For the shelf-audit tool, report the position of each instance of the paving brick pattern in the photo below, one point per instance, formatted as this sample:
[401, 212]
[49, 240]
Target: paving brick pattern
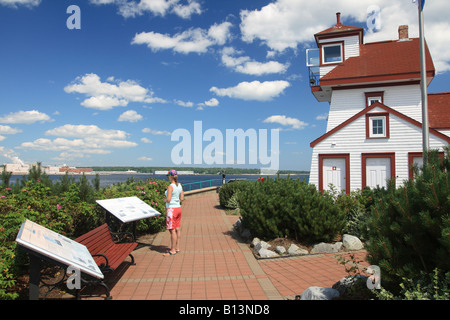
[214, 265]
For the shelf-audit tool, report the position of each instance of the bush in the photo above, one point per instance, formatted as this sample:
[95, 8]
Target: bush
[227, 191]
[431, 286]
[67, 207]
[290, 208]
[409, 227]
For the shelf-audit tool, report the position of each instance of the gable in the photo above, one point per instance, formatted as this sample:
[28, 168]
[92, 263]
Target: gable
[386, 109]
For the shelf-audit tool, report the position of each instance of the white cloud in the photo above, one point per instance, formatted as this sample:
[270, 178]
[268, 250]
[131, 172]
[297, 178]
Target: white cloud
[84, 131]
[25, 117]
[146, 140]
[16, 3]
[187, 104]
[193, 40]
[286, 121]
[145, 159]
[183, 9]
[247, 66]
[8, 130]
[210, 103]
[323, 116]
[293, 23]
[130, 116]
[107, 95]
[87, 140]
[156, 132]
[261, 91]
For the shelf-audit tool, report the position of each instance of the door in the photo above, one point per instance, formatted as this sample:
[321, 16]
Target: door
[378, 171]
[334, 173]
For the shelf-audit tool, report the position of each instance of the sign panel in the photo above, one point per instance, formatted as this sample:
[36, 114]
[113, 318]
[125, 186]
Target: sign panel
[57, 247]
[128, 209]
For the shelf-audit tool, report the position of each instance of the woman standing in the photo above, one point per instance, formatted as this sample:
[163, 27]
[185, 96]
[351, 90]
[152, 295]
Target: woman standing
[174, 196]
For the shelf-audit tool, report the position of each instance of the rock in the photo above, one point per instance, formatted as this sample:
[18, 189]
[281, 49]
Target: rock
[326, 247]
[262, 245]
[255, 241]
[295, 250]
[346, 282]
[280, 250]
[319, 293]
[265, 253]
[351, 242]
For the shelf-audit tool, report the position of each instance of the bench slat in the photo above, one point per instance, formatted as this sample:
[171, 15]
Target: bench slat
[100, 241]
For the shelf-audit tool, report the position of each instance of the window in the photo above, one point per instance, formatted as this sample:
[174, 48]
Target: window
[372, 97]
[372, 100]
[377, 125]
[332, 53]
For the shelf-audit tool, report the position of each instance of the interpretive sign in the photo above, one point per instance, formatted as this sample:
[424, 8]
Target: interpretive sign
[57, 247]
[128, 209]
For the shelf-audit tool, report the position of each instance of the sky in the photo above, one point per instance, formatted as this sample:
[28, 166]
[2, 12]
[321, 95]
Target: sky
[106, 84]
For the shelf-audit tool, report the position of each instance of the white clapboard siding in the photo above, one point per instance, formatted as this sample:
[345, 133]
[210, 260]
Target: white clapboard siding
[346, 103]
[404, 138]
[351, 49]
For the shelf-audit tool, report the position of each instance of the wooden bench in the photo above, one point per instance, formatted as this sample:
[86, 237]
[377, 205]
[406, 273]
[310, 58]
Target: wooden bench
[106, 252]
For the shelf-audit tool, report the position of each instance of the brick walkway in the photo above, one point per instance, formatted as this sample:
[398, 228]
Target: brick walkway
[213, 265]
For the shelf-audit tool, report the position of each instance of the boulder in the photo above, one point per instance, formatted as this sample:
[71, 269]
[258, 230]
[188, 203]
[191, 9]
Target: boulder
[319, 293]
[280, 250]
[346, 282]
[351, 242]
[295, 250]
[255, 241]
[266, 253]
[262, 245]
[326, 247]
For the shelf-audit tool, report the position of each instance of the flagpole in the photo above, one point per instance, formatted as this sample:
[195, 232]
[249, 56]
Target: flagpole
[423, 72]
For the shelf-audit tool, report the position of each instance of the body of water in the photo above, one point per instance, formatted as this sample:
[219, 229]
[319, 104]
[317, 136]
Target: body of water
[190, 182]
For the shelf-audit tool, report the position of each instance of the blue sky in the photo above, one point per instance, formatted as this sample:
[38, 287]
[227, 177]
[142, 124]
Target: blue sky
[112, 92]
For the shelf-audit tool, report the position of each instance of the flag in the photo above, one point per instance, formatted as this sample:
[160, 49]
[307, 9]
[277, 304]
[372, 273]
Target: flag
[416, 2]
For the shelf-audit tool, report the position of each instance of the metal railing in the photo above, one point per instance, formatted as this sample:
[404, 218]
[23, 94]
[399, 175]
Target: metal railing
[203, 184]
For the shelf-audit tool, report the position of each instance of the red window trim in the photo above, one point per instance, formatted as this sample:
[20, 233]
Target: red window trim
[364, 157]
[374, 94]
[345, 156]
[411, 156]
[321, 53]
[377, 114]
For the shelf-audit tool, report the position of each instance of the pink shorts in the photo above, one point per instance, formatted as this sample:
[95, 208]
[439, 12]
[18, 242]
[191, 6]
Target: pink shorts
[173, 220]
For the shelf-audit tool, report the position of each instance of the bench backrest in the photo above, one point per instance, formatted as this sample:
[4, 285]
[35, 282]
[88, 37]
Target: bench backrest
[98, 240]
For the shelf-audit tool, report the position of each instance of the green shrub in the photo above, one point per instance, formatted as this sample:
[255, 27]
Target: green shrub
[227, 191]
[409, 227]
[426, 286]
[67, 207]
[290, 208]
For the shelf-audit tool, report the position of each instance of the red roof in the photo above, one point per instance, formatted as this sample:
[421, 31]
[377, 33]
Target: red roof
[381, 61]
[439, 110]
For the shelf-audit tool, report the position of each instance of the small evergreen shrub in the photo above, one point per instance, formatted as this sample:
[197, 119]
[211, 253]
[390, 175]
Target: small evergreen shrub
[290, 208]
[227, 191]
[409, 227]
